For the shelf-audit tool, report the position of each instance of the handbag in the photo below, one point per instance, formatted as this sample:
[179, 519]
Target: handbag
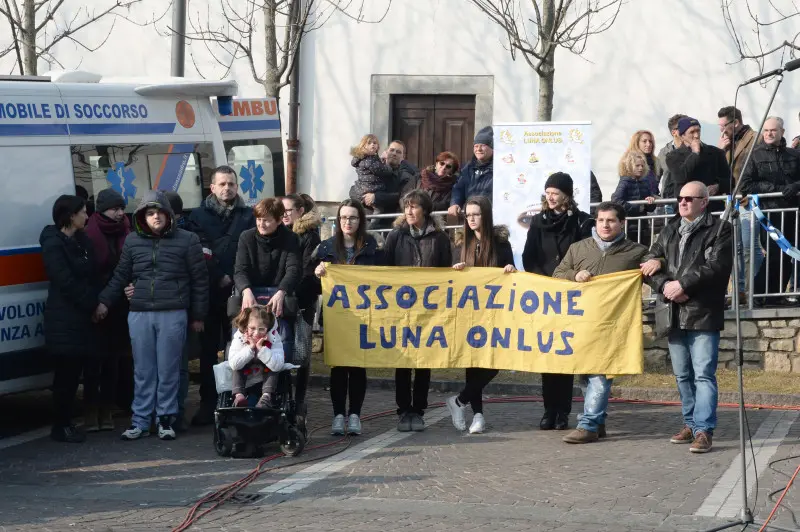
[663, 318]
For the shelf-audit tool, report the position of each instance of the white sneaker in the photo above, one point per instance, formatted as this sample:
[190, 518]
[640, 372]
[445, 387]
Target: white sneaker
[337, 428]
[478, 424]
[165, 430]
[354, 425]
[457, 413]
[134, 433]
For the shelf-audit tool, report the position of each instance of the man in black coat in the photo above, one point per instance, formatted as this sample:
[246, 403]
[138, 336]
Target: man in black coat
[696, 161]
[774, 168]
[219, 222]
[689, 266]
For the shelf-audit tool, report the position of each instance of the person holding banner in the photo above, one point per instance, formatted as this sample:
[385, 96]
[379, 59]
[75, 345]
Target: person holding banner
[551, 233]
[690, 265]
[486, 246]
[416, 240]
[350, 245]
[606, 251]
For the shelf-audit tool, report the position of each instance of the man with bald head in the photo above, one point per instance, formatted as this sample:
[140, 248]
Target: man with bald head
[689, 266]
[773, 167]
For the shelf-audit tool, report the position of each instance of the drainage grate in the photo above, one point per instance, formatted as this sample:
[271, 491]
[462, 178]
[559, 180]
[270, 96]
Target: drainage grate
[245, 498]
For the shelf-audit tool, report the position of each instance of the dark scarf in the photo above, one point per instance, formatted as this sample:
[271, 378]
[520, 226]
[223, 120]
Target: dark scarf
[431, 182]
[224, 211]
[107, 237]
[555, 222]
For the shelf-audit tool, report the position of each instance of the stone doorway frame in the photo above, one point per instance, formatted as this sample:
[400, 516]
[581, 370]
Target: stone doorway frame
[384, 86]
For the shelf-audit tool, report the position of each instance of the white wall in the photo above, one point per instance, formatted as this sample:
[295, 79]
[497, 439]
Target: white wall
[661, 57]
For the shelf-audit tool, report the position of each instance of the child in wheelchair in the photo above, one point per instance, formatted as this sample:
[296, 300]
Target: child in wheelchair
[256, 349]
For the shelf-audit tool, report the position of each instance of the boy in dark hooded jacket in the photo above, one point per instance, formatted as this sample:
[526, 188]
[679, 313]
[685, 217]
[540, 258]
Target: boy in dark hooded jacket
[167, 268]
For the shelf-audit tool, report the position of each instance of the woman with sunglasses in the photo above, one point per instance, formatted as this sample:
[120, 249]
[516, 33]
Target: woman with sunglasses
[484, 245]
[439, 178]
[350, 245]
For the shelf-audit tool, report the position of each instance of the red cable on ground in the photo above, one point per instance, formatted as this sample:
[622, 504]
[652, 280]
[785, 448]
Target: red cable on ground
[777, 504]
[220, 496]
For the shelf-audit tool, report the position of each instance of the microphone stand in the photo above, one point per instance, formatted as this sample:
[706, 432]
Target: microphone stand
[732, 215]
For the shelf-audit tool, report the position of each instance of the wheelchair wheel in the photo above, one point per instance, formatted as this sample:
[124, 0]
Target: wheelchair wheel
[222, 444]
[295, 442]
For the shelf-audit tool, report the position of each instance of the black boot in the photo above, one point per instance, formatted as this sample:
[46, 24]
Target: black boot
[548, 421]
[68, 434]
[203, 416]
[562, 421]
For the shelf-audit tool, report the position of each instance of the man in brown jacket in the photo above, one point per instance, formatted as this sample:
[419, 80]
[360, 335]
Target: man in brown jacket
[606, 251]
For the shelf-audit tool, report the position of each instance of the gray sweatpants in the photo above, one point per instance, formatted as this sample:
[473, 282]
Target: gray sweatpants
[157, 339]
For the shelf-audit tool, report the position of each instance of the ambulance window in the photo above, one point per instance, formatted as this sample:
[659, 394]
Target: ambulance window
[259, 165]
[132, 169]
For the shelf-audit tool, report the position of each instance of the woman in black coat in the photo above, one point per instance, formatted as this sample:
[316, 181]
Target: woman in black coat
[268, 256]
[350, 245]
[416, 240]
[71, 303]
[552, 232]
[302, 217]
[485, 246]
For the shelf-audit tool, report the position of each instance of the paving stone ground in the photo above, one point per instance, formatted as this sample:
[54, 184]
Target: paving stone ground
[514, 477]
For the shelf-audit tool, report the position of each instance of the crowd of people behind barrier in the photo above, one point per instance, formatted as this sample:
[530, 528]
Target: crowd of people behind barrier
[147, 283]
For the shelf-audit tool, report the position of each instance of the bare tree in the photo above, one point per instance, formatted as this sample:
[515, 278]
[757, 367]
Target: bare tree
[35, 29]
[536, 28]
[235, 34]
[748, 32]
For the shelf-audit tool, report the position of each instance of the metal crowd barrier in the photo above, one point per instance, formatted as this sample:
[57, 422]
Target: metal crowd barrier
[645, 229]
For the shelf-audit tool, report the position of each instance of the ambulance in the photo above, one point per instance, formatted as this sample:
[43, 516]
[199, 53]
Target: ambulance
[75, 131]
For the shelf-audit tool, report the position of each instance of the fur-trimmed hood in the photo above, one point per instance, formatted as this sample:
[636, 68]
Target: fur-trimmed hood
[310, 221]
[501, 233]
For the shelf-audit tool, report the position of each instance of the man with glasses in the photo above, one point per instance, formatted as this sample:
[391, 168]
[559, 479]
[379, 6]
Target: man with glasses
[774, 168]
[689, 266]
[696, 161]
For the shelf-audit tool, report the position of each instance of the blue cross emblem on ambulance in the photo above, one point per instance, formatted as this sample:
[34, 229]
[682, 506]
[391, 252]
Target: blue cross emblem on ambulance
[251, 174]
[121, 179]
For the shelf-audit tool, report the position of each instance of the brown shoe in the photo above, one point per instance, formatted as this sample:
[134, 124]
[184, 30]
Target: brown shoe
[684, 436]
[601, 431]
[580, 436]
[702, 443]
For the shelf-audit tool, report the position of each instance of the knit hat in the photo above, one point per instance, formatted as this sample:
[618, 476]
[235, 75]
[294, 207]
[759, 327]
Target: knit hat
[109, 198]
[560, 180]
[175, 202]
[685, 123]
[485, 136]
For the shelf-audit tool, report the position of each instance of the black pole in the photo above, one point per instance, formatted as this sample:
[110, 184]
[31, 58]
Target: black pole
[178, 37]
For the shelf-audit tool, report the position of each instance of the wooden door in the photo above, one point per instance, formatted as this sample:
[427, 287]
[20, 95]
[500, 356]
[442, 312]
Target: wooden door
[432, 124]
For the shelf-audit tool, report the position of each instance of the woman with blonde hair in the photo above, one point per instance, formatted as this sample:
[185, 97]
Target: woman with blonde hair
[643, 142]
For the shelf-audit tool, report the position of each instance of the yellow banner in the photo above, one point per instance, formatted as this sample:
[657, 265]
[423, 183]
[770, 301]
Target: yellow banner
[390, 317]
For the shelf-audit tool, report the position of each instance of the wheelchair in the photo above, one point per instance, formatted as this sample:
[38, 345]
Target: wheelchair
[245, 432]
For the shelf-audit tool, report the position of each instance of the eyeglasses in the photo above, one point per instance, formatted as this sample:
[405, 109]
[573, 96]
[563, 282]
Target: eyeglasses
[689, 199]
[472, 216]
[447, 166]
[726, 125]
[259, 330]
[348, 219]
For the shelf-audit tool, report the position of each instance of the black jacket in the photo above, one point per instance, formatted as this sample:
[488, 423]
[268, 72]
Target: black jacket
[168, 271]
[220, 235]
[367, 255]
[268, 261]
[405, 178]
[771, 169]
[632, 189]
[549, 239]
[432, 249]
[307, 231]
[72, 294]
[709, 167]
[703, 272]
[503, 254]
[476, 179]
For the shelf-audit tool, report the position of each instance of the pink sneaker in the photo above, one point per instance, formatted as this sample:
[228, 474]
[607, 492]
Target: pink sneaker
[240, 400]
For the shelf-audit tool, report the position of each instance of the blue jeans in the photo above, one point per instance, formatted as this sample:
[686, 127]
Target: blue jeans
[595, 402]
[157, 339]
[746, 277]
[694, 363]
